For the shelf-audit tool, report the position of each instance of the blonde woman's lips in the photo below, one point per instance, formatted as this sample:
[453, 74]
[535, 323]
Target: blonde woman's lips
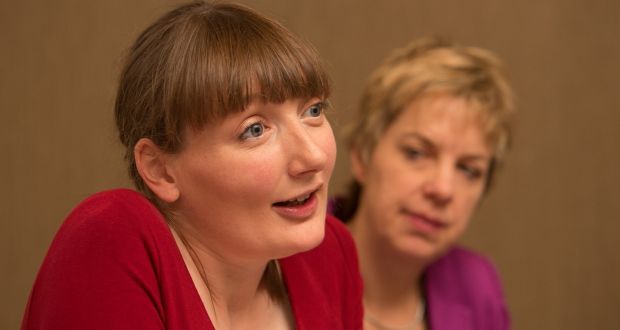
[424, 224]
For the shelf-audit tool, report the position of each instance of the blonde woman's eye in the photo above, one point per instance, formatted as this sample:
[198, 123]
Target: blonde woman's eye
[315, 110]
[253, 131]
[471, 173]
[412, 153]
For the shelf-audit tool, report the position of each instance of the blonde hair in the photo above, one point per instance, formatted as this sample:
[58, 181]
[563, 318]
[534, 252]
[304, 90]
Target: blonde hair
[432, 65]
[202, 61]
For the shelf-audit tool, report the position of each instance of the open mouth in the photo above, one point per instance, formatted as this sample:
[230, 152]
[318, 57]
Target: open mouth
[294, 202]
[302, 207]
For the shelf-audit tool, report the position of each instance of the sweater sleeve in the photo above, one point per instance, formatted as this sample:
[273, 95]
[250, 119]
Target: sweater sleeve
[100, 271]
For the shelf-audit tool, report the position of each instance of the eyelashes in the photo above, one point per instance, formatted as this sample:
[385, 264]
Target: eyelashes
[257, 128]
[471, 172]
[412, 153]
[417, 155]
[315, 110]
[253, 130]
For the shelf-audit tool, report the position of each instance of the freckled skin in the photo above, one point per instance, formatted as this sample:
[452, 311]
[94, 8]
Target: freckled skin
[229, 179]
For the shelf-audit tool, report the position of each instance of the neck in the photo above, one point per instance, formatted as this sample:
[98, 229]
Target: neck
[392, 279]
[388, 274]
[230, 291]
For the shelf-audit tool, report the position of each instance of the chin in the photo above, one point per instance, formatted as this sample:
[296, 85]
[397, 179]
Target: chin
[305, 237]
[422, 250]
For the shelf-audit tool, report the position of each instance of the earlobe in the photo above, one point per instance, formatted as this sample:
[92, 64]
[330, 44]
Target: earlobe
[152, 166]
[358, 166]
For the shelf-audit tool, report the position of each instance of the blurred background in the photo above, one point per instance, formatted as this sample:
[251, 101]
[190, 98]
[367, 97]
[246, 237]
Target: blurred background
[551, 224]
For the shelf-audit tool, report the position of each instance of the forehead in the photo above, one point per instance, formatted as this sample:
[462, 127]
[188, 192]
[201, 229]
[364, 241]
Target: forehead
[443, 120]
[443, 109]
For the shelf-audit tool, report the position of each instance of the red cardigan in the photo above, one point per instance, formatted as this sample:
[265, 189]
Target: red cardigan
[114, 264]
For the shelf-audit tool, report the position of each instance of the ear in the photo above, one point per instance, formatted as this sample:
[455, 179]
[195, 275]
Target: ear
[358, 166]
[152, 164]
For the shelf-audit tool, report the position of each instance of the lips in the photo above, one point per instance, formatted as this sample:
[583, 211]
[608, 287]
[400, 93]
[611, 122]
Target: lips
[425, 224]
[301, 207]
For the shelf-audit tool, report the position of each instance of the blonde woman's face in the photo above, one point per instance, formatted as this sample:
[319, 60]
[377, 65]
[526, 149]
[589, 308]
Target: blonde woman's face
[425, 177]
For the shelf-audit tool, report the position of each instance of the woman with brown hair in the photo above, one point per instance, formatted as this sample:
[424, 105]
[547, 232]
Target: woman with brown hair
[221, 112]
[433, 125]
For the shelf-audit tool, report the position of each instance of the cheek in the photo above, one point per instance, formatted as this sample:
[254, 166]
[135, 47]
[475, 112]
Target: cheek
[233, 176]
[389, 175]
[383, 193]
[330, 149]
[256, 176]
[468, 206]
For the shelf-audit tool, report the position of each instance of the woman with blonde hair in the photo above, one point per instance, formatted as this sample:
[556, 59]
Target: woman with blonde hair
[221, 112]
[432, 127]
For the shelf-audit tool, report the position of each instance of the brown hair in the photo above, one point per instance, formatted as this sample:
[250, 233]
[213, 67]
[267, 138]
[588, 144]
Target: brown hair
[431, 65]
[202, 61]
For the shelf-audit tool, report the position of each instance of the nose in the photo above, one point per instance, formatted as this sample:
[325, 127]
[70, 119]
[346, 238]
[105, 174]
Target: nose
[306, 152]
[439, 186]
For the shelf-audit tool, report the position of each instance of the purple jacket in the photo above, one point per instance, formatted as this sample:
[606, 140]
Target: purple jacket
[463, 292]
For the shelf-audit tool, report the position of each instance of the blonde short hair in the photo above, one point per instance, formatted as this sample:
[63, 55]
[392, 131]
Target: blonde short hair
[432, 65]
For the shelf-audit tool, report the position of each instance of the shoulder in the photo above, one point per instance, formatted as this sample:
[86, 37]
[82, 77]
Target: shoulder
[110, 226]
[111, 247]
[112, 215]
[466, 270]
[114, 204]
[113, 225]
[466, 278]
[475, 264]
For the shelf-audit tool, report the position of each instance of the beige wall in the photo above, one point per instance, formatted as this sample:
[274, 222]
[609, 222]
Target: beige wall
[551, 225]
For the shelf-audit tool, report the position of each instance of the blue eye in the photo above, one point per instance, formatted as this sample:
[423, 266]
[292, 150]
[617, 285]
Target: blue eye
[253, 131]
[315, 110]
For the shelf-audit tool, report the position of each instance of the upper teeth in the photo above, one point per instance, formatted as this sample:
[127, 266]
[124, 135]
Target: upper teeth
[301, 199]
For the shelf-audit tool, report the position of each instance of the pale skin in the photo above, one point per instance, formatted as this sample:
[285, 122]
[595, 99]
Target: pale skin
[421, 184]
[229, 190]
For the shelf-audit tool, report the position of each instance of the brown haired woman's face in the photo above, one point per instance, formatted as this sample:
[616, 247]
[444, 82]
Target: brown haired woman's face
[254, 186]
[425, 176]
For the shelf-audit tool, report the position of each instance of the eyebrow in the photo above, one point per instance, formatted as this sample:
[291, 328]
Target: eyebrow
[420, 137]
